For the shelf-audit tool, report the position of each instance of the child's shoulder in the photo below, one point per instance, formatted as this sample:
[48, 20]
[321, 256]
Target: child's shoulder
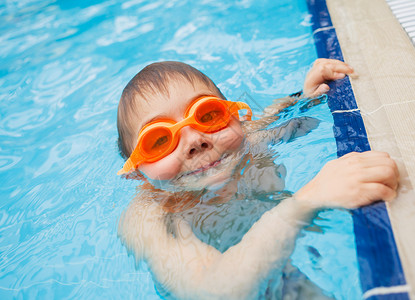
[137, 220]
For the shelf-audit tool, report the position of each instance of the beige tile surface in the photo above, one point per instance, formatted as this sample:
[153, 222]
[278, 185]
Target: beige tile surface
[375, 44]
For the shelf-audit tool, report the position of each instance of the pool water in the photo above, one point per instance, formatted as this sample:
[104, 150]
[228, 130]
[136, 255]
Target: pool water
[63, 65]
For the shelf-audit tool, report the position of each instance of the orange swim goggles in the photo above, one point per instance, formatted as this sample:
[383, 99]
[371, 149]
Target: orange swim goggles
[159, 138]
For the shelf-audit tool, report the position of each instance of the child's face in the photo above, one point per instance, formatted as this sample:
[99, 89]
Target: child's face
[198, 156]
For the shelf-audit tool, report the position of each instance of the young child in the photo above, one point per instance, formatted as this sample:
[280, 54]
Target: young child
[197, 156]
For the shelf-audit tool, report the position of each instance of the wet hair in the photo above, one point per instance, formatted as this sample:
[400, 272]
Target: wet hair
[154, 79]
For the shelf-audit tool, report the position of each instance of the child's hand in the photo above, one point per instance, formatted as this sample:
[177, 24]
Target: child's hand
[353, 180]
[324, 70]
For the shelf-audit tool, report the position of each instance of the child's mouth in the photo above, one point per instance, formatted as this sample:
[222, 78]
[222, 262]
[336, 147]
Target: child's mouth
[205, 167]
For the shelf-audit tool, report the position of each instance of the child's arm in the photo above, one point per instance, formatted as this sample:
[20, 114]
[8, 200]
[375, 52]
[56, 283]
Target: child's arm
[269, 115]
[191, 269]
[287, 131]
[315, 84]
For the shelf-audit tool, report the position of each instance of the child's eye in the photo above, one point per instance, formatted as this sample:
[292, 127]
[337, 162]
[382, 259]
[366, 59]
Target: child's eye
[212, 115]
[160, 141]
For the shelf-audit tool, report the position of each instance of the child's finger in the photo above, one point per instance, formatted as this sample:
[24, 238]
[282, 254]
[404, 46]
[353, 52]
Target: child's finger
[370, 157]
[323, 88]
[375, 153]
[374, 159]
[378, 191]
[337, 75]
[341, 67]
[388, 167]
[333, 72]
[367, 154]
[328, 73]
[338, 62]
[382, 174]
[333, 64]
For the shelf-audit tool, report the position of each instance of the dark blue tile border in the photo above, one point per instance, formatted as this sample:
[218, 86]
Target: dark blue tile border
[395, 296]
[378, 257]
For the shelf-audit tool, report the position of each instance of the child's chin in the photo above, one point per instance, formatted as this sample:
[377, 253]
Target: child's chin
[217, 181]
[206, 181]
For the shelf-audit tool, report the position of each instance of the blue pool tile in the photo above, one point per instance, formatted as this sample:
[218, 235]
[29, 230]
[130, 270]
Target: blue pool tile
[321, 16]
[349, 125]
[395, 296]
[378, 257]
[344, 147]
[327, 49]
[342, 97]
[379, 261]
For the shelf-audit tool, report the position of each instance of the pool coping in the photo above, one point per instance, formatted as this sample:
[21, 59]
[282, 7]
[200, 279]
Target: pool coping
[381, 271]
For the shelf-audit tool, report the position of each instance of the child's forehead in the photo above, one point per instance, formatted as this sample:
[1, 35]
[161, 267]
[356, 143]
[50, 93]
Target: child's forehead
[171, 105]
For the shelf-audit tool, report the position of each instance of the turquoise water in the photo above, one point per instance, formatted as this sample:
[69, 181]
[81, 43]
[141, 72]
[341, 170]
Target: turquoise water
[63, 65]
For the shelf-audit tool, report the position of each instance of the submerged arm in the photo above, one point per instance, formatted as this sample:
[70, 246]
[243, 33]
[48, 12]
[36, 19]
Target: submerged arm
[269, 115]
[280, 104]
[315, 84]
[286, 132]
[190, 268]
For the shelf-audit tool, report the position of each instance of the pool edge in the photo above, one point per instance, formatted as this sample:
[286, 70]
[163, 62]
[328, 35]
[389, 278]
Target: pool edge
[385, 93]
[379, 269]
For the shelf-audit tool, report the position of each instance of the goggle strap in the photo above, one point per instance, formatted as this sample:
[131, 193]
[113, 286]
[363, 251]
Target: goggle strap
[127, 167]
[242, 105]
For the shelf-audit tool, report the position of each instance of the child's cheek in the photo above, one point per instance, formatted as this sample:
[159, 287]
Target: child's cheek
[231, 138]
[164, 169]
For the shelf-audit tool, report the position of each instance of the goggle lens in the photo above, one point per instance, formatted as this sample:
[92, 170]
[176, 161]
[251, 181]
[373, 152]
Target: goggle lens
[156, 141]
[212, 116]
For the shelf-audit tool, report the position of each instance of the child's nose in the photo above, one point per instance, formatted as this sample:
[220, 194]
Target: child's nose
[196, 142]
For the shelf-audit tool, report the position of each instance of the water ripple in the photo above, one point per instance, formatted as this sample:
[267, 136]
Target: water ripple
[62, 68]
[124, 28]
[8, 162]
